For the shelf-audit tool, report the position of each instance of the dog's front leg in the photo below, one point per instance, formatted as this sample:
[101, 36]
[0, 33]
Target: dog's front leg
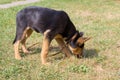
[45, 48]
[63, 47]
[44, 52]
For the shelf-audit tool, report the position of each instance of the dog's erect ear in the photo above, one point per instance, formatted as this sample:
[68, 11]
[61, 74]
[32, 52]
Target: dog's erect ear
[74, 36]
[81, 40]
[86, 38]
[81, 34]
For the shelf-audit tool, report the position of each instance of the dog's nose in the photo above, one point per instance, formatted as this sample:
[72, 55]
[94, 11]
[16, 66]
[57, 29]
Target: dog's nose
[79, 55]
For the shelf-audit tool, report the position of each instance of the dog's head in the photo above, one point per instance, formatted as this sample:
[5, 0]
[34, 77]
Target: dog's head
[77, 43]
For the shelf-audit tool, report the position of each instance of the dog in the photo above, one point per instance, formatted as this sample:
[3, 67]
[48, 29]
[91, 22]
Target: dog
[53, 24]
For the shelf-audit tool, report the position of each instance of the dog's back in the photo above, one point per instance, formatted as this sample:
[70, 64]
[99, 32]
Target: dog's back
[40, 19]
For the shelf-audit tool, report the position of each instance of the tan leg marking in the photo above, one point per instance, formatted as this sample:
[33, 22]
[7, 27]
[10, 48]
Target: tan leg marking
[26, 34]
[63, 47]
[45, 48]
[16, 49]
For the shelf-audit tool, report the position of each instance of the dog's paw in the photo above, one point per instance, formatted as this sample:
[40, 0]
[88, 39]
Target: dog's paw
[18, 57]
[47, 64]
[27, 52]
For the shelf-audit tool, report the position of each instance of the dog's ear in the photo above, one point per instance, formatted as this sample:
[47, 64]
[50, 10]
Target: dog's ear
[86, 38]
[74, 36]
[82, 40]
[81, 34]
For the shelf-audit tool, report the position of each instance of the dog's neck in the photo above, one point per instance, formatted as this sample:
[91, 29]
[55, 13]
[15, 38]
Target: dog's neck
[69, 31]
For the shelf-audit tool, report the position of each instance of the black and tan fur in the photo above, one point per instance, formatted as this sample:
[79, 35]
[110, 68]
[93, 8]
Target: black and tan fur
[52, 24]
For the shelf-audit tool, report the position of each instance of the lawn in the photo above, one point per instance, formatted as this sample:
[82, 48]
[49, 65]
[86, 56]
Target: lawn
[99, 19]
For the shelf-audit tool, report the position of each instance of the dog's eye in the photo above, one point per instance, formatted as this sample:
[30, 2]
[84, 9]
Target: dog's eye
[73, 45]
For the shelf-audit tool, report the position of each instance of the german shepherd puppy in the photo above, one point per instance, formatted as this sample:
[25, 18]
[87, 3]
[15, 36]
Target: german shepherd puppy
[52, 24]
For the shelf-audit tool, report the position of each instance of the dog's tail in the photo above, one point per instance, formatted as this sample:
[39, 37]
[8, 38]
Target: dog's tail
[14, 40]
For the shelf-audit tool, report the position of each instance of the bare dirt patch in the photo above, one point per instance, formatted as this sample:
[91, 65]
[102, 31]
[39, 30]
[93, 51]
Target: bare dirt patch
[17, 3]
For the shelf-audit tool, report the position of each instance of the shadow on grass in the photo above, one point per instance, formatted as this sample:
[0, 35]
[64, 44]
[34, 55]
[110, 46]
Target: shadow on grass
[57, 53]
[33, 51]
[37, 50]
[90, 53]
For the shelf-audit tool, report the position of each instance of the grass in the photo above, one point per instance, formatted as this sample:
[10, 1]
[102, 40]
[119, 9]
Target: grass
[8, 1]
[99, 19]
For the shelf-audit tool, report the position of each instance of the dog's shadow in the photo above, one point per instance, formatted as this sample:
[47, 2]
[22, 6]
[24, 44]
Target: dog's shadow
[90, 53]
[35, 50]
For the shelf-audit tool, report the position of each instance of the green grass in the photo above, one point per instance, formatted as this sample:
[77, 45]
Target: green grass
[99, 19]
[8, 1]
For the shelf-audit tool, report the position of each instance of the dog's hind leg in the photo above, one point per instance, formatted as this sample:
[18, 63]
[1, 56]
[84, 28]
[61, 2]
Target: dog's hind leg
[28, 31]
[21, 24]
[16, 49]
[21, 36]
[17, 41]
[63, 46]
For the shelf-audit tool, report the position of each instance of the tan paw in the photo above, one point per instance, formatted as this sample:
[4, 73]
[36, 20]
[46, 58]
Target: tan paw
[46, 63]
[18, 57]
[27, 52]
